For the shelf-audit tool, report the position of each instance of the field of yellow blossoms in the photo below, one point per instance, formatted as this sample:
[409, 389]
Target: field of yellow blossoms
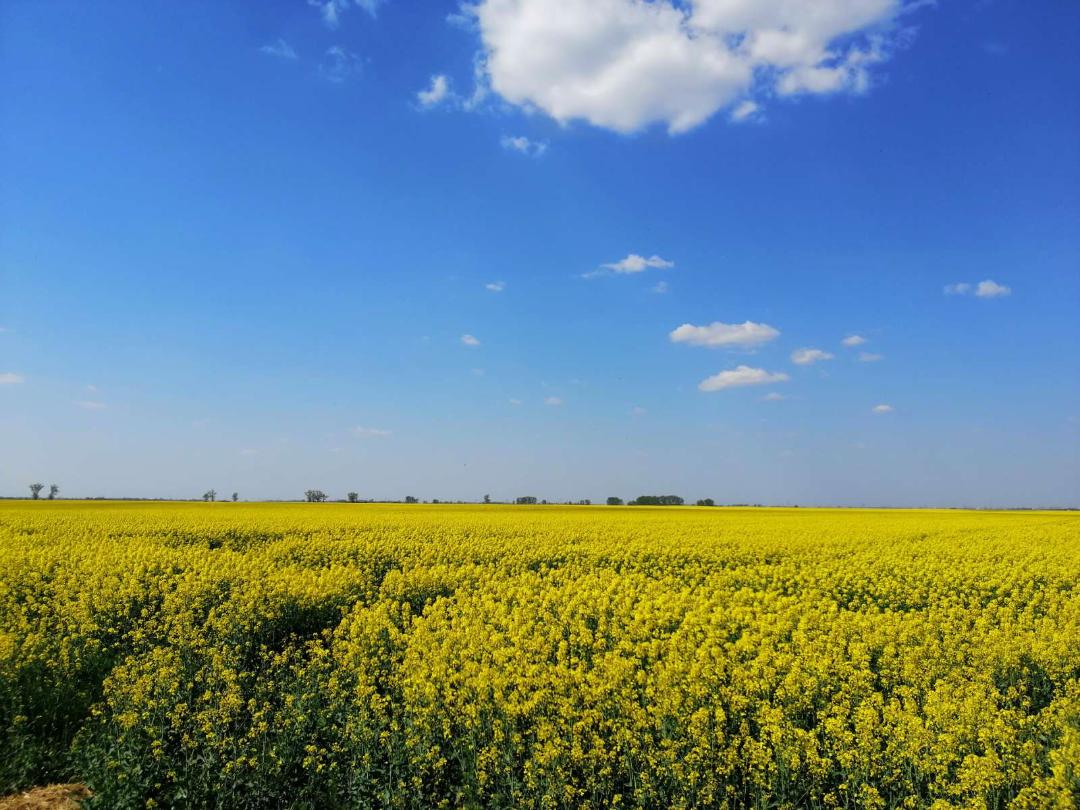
[323, 656]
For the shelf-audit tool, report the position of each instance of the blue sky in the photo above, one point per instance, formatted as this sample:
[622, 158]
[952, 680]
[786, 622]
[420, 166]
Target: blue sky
[241, 246]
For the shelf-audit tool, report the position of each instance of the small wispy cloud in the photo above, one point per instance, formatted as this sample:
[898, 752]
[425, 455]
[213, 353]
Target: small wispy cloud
[745, 111]
[11, 378]
[853, 340]
[637, 410]
[495, 286]
[523, 145]
[984, 289]
[882, 408]
[331, 10]
[633, 263]
[90, 405]
[280, 49]
[991, 289]
[553, 401]
[469, 340]
[660, 287]
[339, 64]
[724, 335]
[370, 433]
[806, 357]
[870, 357]
[740, 377]
[437, 91]
[514, 401]
[773, 396]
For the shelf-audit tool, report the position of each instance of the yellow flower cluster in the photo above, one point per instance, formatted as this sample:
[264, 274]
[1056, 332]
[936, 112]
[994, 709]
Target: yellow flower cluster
[196, 655]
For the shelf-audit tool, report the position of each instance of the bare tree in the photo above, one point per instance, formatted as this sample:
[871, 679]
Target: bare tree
[35, 490]
[210, 495]
[54, 490]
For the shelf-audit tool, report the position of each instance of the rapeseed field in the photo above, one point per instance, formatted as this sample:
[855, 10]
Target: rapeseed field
[385, 656]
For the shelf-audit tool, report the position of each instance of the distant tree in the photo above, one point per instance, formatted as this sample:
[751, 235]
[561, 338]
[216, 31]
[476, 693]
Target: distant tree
[544, 502]
[353, 497]
[434, 500]
[657, 500]
[314, 495]
[35, 490]
[706, 502]
[54, 490]
[487, 499]
[528, 499]
[210, 495]
[613, 501]
[411, 499]
[235, 497]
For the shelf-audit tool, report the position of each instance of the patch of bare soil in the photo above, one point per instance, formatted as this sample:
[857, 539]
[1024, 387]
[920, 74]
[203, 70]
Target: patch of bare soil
[52, 797]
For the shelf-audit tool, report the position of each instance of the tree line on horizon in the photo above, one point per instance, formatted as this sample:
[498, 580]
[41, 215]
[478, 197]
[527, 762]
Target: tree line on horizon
[318, 496]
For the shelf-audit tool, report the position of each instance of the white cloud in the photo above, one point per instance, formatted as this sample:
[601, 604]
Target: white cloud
[514, 401]
[553, 401]
[984, 289]
[90, 405]
[331, 10]
[637, 410]
[660, 287]
[882, 409]
[339, 64]
[806, 357]
[469, 340]
[745, 111]
[991, 289]
[626, 64]
[773, 396]
[870, 357]
[370, 433]
[281, 49]
[853, 340]
[739, 377]
[521, 144]
[495, 286]
[637, 264]
[437, 92]
[11, 378]
[724, 334]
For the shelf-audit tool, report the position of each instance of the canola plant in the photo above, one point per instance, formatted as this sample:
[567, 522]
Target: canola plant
[386, 656]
